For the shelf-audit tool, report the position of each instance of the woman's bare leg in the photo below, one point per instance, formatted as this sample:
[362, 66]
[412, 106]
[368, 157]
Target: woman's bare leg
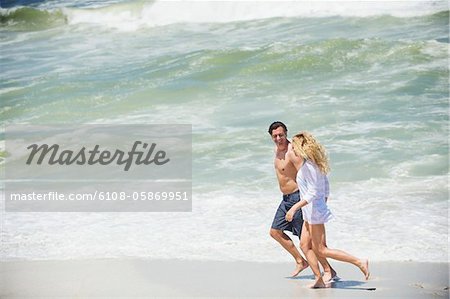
[306, 246]
[317, 232]
[328, 272]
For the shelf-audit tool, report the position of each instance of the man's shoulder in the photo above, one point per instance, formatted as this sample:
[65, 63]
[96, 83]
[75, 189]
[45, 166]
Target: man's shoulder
[290, 151]
[293, 158]
[290, 148]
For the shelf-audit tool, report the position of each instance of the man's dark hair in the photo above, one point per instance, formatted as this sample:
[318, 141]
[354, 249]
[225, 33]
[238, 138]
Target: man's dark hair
[276, 125]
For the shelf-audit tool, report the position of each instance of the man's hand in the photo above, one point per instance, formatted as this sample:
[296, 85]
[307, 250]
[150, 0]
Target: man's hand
[290, 215]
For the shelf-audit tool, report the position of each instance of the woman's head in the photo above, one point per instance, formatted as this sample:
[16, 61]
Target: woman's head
[306, 146]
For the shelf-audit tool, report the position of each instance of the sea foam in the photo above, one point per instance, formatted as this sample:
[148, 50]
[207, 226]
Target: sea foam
[140, 14]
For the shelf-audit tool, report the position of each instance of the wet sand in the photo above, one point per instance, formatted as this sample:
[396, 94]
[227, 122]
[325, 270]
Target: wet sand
[127, 278]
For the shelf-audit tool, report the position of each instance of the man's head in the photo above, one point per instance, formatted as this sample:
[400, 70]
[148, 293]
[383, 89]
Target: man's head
[278, 132]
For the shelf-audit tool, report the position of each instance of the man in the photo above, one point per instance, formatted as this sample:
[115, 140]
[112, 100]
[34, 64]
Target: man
[286, 175]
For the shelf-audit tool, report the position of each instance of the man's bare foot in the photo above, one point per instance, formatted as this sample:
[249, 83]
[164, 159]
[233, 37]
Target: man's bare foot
[299, 268]
[329, 276]
[365, 268]
[318, 284]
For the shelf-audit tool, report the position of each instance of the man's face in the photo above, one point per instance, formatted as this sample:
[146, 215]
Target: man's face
[279, 137]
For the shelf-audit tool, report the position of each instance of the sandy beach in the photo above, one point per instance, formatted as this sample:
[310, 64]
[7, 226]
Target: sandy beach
[132, 278]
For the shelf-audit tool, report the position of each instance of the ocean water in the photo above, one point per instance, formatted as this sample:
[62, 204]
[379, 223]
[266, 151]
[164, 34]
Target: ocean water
[370, 79]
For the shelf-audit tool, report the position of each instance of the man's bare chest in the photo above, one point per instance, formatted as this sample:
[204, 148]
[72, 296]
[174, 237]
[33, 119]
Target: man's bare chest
[283, 165]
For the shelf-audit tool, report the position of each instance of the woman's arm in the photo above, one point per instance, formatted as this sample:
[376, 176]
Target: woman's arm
[314, 182]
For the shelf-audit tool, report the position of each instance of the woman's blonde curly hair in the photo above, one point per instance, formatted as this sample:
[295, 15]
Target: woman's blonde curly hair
[306, 146]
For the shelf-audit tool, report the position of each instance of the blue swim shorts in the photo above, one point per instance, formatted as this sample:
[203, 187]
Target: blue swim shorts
[280, 222]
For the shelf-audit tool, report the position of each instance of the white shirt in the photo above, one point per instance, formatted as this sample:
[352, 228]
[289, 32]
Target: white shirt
[314, 187]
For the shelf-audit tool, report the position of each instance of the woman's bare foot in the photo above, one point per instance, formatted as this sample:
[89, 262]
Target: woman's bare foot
[300, 267]
[364, 266]
[329, 276]
[318, 284]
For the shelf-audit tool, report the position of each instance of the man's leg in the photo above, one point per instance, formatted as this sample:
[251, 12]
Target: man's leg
[289, 245]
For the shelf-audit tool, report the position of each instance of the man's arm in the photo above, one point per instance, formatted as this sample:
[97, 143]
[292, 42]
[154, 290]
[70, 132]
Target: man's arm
[293, 158]
[294, 208]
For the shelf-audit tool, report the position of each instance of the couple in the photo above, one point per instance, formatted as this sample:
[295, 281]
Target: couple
[301, 168]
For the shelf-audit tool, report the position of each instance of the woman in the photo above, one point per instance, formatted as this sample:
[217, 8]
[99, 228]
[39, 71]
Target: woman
[310, 159]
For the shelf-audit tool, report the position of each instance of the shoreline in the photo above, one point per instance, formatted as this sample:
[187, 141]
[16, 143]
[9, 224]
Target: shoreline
[133, 277]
